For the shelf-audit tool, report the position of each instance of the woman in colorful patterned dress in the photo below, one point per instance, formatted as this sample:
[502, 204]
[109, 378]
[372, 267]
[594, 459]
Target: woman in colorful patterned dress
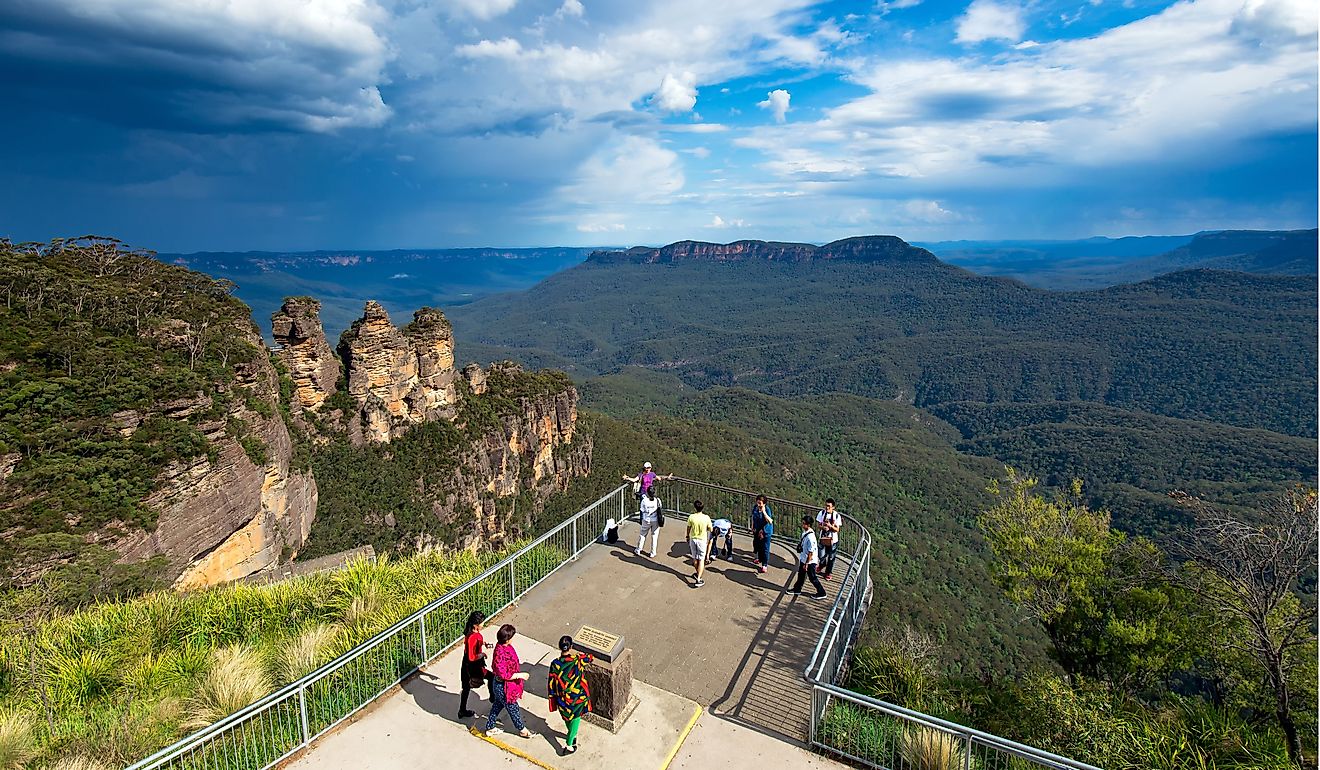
[567, 689]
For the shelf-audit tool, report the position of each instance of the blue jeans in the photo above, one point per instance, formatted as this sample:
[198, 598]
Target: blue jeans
[827, 554]
[762, 545]
[497, 702]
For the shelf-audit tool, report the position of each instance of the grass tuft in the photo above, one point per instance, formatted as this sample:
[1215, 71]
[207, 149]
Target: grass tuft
[18, 746]
[236, 679]
[925, 748]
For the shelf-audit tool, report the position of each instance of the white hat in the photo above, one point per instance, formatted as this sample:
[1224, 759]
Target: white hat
[646, 465]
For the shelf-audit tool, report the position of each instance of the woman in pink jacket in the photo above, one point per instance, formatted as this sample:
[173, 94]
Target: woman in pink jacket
[506, 683]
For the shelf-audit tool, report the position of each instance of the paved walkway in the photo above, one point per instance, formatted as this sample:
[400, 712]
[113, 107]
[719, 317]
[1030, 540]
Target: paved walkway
[736, 645]
[730, 653]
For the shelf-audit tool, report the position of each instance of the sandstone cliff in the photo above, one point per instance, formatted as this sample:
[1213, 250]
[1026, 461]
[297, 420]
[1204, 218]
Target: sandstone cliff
[312, 363]
[869, 248]
[225, 516]
[398, 378]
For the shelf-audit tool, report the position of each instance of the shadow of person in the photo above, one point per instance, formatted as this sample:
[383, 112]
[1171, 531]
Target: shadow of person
[647, 562]
[433, 694]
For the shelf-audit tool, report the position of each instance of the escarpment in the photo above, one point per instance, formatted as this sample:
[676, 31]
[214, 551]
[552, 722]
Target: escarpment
[241, 508]
[467, 457]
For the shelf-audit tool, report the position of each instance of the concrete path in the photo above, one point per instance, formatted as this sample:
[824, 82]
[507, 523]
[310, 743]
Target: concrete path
[717, 671]
[737, 645]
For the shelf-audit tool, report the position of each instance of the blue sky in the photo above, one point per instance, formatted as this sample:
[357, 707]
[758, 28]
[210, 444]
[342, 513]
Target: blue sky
[302, 124]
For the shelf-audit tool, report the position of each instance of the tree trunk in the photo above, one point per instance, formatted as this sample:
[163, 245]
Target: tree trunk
[1283, 709]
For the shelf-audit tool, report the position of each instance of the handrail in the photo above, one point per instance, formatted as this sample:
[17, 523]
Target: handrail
[835, 638]
[853, 581]
[300, 684]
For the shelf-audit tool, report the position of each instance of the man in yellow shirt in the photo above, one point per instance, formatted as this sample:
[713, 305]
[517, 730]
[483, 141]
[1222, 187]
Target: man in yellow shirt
[698, 532]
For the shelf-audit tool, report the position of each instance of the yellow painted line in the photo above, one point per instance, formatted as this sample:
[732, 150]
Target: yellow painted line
[511, 750]
[681, 738]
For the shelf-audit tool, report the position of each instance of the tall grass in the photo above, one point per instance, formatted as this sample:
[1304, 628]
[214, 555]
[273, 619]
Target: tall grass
[117, 681]
[924, 748]
[17, 744]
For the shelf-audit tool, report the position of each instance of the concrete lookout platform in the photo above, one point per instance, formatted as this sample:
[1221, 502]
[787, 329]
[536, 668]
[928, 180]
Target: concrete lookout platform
[717, 672]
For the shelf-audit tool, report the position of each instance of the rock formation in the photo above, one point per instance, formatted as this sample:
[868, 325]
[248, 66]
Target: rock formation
[228, 518]
[868, 248]
[312, 363]
[399, 378]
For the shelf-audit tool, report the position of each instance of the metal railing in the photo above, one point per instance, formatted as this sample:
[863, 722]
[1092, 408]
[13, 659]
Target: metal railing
[286, 721]
[845, 723]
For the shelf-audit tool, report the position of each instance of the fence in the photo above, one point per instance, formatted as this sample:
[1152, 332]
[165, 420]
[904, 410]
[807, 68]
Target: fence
[848, 724]
[275, 727]
[844, 723]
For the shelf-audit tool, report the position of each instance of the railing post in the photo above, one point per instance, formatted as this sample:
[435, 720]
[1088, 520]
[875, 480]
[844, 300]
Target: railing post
[421, 624]
[575, 540]
[513, 583]
[302, 715]
[967, 753]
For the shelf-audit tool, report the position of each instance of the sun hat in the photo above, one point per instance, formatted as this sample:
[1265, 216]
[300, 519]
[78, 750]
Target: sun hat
[646, 465]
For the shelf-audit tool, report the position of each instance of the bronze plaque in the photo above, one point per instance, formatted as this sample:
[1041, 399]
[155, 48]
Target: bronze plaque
[601, 644]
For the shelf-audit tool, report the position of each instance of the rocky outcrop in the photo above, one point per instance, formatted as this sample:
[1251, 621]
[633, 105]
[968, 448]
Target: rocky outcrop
[312, 363]
[869, 248]
[225, 517]
[533, 453]
[399, 378]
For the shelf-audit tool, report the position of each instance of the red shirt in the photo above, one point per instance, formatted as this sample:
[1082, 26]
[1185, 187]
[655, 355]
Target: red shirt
[474, 644]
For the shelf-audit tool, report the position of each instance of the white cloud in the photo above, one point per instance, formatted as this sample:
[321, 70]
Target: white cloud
[677, 94]
[989, 20]
[483, 9]
[572, 8]
[777, 102]
[698, 152]
[601, 227]
[720, 223]
[504, 48]
[634, 169]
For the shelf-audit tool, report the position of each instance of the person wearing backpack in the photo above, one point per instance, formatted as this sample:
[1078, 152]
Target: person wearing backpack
[651, 516]
[808, 559]
[830, 521]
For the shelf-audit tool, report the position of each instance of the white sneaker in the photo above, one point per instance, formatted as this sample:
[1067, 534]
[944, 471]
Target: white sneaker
[652, 555]
[637, 552]
[496, 730]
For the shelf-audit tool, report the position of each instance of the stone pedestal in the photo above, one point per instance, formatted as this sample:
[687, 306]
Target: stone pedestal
[612, 701]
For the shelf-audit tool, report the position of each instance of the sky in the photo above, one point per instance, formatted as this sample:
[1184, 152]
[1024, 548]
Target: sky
[184, 125]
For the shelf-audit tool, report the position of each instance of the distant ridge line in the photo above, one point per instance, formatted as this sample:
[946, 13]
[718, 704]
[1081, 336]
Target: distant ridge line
[864, 248]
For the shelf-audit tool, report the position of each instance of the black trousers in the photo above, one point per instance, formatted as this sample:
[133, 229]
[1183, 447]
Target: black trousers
[469, 671]
[808, 571]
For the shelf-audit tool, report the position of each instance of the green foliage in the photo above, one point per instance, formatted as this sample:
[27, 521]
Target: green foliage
[121, 680]
[94, 341]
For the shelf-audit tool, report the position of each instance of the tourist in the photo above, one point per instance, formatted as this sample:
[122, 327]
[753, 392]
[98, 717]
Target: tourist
[506, 683]
[567, 689]
[473, 669]
[645, 480]
[651, 516]
[763, 526]
[698, 533]
[830, 522]
[808, 558]
[720, 528]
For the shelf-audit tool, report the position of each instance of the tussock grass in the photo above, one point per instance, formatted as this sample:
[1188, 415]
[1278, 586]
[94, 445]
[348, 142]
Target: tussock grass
[118, 681]
[925, 748]
[237, 677]
[18, 745]
[78, 762]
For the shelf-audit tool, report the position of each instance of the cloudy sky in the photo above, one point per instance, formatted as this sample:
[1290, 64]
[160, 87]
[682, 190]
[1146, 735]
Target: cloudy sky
[187, 125]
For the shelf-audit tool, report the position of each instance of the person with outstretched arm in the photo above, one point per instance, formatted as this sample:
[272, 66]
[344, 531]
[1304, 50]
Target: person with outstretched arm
[808, 560]
[645, 480]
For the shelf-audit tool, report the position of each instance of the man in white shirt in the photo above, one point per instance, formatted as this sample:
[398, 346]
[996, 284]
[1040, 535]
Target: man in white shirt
[808, 559]
[650, 519]
[830, 521]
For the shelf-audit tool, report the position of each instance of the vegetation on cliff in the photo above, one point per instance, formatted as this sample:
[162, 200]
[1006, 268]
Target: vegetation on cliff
[109, 362]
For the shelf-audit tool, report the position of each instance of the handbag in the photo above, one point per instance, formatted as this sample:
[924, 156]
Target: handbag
[660, 517]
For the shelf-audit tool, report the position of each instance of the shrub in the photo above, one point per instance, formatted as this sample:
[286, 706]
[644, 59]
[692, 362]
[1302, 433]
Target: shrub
[925, 748]
[301, 655]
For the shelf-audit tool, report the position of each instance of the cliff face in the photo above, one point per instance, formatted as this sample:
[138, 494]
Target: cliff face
[399, 379]
[533, 453]
[223, 519]
[870, 248]
[312, 363]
